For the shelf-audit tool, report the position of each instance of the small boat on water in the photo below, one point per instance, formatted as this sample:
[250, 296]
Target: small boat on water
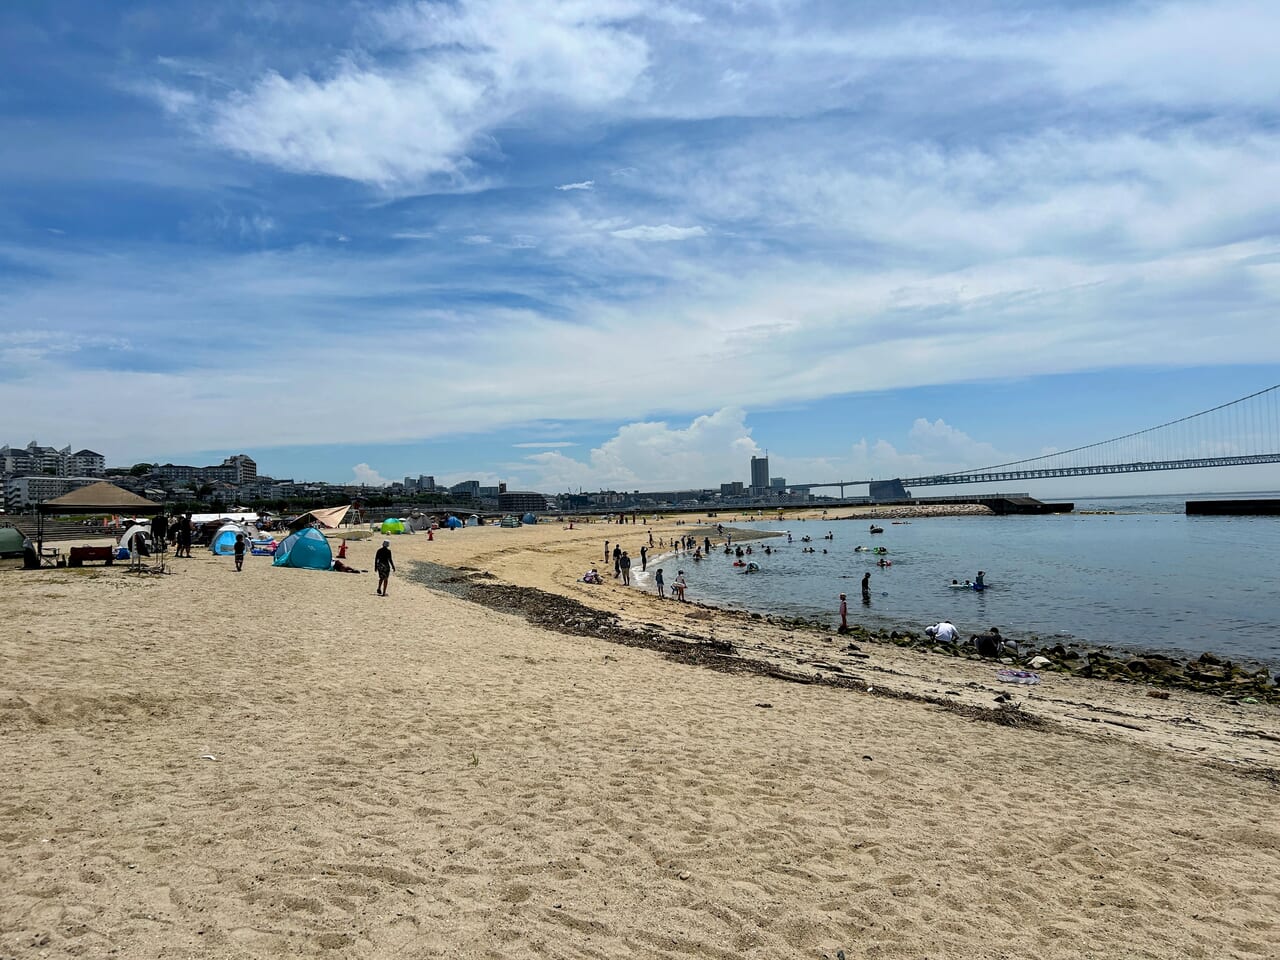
[875, 529]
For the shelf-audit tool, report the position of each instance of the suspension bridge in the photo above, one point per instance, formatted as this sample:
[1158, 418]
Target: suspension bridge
[1242, 432]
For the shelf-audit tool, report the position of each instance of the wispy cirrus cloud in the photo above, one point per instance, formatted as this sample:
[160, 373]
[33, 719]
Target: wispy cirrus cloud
[658, 234]
[580, 185]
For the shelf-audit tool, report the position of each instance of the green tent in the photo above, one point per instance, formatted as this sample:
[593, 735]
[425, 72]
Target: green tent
[10, 540]
[392, 525]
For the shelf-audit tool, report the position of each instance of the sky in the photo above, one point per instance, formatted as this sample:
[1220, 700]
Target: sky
[632, 243]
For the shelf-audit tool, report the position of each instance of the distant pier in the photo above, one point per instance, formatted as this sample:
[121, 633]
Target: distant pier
[1265, 507]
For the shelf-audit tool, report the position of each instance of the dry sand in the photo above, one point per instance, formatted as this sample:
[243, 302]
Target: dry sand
[420, 776]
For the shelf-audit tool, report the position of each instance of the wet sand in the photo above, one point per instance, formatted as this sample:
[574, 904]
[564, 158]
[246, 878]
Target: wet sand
[422, 775]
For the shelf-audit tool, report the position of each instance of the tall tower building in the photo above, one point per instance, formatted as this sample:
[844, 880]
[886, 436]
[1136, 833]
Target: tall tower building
[759, 475]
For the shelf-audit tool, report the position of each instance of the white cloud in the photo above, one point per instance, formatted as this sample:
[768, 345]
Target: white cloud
[364, 474]
[659, 233]
[1181, 52]
[477, 240]
[775, 331]
[718, 447]
[949, 448]
[449, 74]
[656, 455]
[581, 185]
[545, 445]
[413, 235]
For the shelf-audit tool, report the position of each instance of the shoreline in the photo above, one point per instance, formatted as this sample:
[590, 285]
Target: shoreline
[1074, 702]
[1207, 672]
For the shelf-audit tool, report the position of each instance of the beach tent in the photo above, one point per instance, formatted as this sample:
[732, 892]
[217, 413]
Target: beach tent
[10, 540]
[224, 541]
[509, 522]
[453, 523]
[528, 518]
[328, 517]
[105, 498]
[473, 521]
[307, 549]
[142, 528]
[392, 525]
[247, 519]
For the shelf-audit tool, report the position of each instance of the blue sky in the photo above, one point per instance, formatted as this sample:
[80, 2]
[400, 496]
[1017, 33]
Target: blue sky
[629, 243]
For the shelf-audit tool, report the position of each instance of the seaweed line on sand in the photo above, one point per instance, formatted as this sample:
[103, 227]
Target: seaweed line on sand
[565, 615]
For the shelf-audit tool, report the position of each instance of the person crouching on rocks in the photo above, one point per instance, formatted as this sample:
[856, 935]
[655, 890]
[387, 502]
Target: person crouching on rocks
[991, 644]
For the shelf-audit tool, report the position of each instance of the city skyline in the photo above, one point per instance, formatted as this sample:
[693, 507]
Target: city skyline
[627, 245]
[1251, 478]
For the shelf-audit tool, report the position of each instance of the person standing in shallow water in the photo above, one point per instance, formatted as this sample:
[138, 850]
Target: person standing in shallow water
[657, 582]
[644, 557]
[866, 588]
[844, 614]
[383, 564]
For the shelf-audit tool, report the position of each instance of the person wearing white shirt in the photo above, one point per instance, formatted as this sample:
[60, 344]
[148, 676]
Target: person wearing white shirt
[944, 631]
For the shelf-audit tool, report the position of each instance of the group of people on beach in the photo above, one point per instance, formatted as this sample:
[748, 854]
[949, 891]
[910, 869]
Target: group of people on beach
[180, 529]
[622, 564]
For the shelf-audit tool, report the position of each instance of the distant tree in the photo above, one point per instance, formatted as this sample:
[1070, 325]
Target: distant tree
[140, 469]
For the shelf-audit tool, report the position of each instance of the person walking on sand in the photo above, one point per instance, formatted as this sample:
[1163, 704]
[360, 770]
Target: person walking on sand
[383, 564]
[617, 560]
[644, 558]
[624, 564]
[239, 551]
[651, 538]
[606, 551]
[657, 582]
[678, 588]
[866, 588]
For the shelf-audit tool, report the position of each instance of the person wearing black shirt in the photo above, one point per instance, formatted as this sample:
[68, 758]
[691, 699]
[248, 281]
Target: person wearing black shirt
[383, 564]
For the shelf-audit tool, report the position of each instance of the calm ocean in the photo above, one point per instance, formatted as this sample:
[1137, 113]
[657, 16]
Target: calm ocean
[1147, 577]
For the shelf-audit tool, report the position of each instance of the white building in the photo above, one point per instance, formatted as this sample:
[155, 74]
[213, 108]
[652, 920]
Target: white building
[22, 493]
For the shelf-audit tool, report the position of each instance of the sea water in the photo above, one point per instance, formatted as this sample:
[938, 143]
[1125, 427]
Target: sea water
[1145, 577]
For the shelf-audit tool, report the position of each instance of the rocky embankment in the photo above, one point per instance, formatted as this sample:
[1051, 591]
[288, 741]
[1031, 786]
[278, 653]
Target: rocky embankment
[1207, 673]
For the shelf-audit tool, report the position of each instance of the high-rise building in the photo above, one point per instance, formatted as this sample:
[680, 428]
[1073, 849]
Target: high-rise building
[467, 488]
[759, 475]
[778, 484]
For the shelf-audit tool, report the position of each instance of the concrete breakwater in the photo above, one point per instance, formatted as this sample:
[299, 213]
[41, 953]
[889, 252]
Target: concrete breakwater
[1263, 507]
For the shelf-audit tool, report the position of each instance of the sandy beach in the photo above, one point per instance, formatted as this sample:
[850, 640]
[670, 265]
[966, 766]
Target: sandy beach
[281, 763]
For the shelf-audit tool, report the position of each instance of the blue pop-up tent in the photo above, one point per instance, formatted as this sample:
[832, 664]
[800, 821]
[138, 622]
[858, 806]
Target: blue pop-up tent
[529, 518]
[224, 541]
[453, 523]
[307, 549]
